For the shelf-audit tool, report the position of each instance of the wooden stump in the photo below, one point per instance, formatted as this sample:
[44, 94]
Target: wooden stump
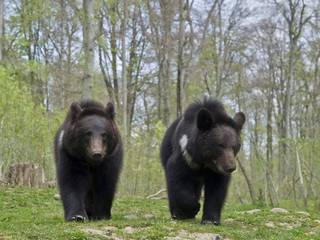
[25, 174]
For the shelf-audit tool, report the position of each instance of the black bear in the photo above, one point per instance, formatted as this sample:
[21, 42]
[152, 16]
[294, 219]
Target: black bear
[88, 156]
[199, 148]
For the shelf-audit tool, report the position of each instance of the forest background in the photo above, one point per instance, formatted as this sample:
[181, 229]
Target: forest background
[153, 58]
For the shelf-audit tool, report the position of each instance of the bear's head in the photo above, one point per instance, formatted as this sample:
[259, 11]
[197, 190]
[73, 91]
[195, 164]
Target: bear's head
[218, 140]
[92, 134]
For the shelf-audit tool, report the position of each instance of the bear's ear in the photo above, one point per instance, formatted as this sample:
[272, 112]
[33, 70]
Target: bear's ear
[75, 110]
[239, 118]
[204, 120]
[110, 110]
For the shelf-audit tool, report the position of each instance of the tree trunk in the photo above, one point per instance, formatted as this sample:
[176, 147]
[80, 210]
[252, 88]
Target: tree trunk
[218, 66]
[88, 47]
[62, 61]
[134, 68]
[166, 15]
[270, 189]
[180, 67]
[301, 180]
[2, 40]
[124, 72]
[269, 166]
[294, 15]
[249, 183]
[114, 50]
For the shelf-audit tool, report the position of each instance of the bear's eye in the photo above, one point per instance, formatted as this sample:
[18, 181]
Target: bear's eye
[221, 146]
[104, 136]
[237, 148]
[88, 134]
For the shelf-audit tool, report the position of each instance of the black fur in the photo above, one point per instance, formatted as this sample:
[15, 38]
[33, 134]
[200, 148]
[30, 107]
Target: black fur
[87, 180]
[209, 158]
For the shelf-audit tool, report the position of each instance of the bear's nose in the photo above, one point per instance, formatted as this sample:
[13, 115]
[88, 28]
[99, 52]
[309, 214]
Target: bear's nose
[97, 155]
[230, 169]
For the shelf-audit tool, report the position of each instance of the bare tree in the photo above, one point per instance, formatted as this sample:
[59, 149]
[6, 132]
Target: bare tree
[167, 11]
[270, 96]
[294, 14]
[124, 70]
[161, 15]
[88, 48]
[181, 42]
[1, 29]
[221, 41]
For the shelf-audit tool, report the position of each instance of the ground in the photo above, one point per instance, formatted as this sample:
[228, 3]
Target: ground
[34, 214]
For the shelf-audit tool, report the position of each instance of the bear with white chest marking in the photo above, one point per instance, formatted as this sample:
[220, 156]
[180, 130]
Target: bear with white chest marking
[199, 150]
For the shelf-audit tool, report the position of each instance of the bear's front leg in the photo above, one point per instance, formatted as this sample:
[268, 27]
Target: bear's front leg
[104, 190]
[74, 207]
[73, 190]
[183, 191]
[216, 187]
[183, 204]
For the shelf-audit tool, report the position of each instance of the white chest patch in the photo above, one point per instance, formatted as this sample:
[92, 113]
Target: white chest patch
[60, 138]
[183, 142]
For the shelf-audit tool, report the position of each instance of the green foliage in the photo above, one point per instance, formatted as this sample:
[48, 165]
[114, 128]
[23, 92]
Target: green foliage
[142, 173]
[26, 130]
[34, 214]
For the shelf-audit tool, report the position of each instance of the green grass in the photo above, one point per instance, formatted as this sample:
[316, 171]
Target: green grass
[34, 214]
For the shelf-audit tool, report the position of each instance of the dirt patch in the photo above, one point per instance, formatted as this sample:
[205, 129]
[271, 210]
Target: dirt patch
[148, 216]
[253, 211]
[289, 226]
[107, 232]
[110, 232]
[131, 217]
[229, 220]
[5, 237]
[185, 235]
[306, 214]
[270, 225]
[130, 230]
[279, 210]
[285, 225]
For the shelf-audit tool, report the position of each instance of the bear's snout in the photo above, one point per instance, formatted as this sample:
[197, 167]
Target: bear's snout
[229, 163]
[97, 156]
[97, 148]
[226, 163]
[230, 169]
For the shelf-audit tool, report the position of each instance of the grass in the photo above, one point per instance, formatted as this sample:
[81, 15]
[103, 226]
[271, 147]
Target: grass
[34, 214]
